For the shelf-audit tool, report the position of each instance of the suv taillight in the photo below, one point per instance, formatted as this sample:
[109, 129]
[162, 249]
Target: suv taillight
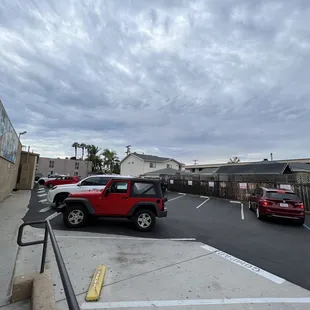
[266, 202]
[299, 205]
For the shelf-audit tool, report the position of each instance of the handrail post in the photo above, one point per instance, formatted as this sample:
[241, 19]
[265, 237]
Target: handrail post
[44, 249]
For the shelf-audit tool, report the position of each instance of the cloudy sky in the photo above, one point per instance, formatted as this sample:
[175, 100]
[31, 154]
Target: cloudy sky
[203, 80]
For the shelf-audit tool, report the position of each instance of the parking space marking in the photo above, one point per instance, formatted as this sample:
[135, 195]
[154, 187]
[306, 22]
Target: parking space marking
[306, 226]
[245, 265]
[43, 200]
[182, 195]
[52, 216]
[193, 302]
[42, 195]
[46, 209]
[204, 197]
[241, 207]
[203, 203]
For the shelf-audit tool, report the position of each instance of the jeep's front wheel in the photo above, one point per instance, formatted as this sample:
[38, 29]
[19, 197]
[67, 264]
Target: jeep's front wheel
[75, 216]
[144, 220]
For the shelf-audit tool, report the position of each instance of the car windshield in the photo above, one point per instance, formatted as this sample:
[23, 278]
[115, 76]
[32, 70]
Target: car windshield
[282, 196]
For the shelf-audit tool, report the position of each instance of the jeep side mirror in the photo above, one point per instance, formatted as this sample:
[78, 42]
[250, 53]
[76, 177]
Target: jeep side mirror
[107, 192]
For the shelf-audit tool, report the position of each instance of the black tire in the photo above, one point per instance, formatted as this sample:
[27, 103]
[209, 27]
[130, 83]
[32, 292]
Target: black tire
[59, 199]
[300, 222]
[250, 206]
[258, 215]
[72, 210]
[140, 222]
[42, 182]
[50, 185]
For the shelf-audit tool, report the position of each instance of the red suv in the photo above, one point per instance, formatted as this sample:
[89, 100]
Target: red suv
[61, 180]
[140, 200]
[277, 203]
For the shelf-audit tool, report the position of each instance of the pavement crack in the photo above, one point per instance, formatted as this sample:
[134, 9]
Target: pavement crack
[147, 272]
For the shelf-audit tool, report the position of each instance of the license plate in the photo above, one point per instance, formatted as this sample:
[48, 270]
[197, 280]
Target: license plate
[285, 205]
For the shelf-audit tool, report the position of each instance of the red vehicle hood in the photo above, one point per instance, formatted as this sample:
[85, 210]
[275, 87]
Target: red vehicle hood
[87, 194]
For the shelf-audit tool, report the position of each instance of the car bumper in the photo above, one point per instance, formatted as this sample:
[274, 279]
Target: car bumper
[285, 214]
[162, 213]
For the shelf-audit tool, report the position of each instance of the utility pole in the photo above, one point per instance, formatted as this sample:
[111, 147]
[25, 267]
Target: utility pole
[128, 149]
[271, 156]
[195, 161]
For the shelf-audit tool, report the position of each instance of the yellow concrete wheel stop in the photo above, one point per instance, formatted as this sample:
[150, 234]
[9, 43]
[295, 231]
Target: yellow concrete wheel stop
[95, 287]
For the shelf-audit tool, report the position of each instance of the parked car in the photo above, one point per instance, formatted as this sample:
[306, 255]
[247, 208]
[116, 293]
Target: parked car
[59, 193]
[61, 180]
[277, 203]
[38, 176]
[42, 180]
[139, 200]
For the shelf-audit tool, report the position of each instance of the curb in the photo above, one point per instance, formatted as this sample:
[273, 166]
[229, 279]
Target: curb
[38, 287]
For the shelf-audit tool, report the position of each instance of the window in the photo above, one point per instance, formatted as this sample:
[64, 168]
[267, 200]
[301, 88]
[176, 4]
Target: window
[169, 166]
[94, 181]
[51, 165]
[119, 187]
[281, 196]
[77, 165]
[143, 188]
[152, 165]
[76, 173]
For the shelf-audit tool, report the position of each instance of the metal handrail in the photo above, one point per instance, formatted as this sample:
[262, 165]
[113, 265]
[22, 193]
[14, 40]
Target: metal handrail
[67, 285]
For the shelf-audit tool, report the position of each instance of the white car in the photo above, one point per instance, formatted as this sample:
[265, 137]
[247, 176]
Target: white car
[42, 180]
[59, 193]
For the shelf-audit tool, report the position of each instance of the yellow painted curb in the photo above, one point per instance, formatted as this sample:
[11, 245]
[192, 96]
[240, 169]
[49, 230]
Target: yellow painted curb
[95, 287]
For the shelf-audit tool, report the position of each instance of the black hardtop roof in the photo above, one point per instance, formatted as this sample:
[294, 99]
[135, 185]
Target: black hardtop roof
[141, 180]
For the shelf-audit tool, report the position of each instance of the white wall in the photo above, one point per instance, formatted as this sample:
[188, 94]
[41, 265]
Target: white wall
[132, 166]
[160, 166]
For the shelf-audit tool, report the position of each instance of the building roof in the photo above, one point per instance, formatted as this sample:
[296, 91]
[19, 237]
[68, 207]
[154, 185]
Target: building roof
[166, 171]
[209, 171]
[253, 168]
[299, 167]
[151, 158]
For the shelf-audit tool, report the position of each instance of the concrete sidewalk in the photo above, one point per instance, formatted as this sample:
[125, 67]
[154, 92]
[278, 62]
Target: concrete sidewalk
[12, 210]
[166, 274]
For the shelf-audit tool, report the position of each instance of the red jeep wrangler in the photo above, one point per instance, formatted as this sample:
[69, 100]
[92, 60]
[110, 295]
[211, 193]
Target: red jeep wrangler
[140, 200]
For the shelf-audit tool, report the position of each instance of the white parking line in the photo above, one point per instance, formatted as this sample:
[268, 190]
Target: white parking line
[203, 203]
[241, 207]
[42, 195]
[46, 209]
[182, 195]
[41, 191]
[244, 264]
[193, 302]
[52, 216]
[43, 200]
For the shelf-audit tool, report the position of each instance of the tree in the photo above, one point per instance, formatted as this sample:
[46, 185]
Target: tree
[92, 155]
[116, 168]
[110, 160]
[234, 160]
[83, 146]
[76, 146]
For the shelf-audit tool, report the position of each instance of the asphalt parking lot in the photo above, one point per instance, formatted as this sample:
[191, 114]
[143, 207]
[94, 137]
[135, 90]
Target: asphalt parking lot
[278, 247]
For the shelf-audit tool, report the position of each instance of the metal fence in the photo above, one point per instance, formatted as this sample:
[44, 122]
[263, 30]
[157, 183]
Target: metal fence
[239, 188]
[69, 292]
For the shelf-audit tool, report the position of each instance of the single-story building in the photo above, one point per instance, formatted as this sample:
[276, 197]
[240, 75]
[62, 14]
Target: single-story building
[139, 164]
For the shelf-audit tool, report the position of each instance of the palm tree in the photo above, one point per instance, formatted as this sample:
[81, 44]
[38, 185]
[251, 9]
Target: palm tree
[76, 145]
[110, 159]
[234, 160]
[83, 146]
[92, 155]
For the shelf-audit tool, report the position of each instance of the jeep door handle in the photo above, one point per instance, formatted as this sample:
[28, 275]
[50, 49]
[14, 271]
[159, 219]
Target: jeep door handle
[124, 197]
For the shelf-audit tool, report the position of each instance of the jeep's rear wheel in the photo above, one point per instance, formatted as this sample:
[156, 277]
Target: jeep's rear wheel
[41, 182]
[144, 220]
[75, 216]
[50, 185]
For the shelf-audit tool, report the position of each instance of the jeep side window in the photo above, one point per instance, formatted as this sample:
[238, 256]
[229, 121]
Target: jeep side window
[119, 187]
[146, 189]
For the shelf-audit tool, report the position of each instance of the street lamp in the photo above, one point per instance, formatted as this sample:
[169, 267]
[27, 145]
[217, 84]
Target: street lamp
[21, 133]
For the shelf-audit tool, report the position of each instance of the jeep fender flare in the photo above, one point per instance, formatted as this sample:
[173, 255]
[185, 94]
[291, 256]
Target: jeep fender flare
[140, 205]
[83, 201]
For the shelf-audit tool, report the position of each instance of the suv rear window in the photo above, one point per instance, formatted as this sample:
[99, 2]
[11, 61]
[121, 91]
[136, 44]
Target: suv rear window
[282, 196]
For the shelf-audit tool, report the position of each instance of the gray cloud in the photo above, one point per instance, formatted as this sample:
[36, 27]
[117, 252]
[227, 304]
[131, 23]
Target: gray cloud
[200, 80]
